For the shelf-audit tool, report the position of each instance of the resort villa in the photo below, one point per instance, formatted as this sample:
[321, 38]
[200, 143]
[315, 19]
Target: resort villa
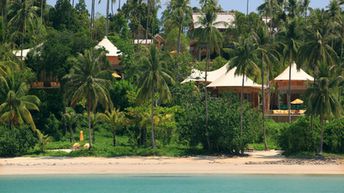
[113, 55]
[223, 80]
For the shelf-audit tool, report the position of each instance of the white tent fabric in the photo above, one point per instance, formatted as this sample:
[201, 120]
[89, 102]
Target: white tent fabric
[109, 47]
[197, 75]
[230, 79]
[18, 53]
[295, 74]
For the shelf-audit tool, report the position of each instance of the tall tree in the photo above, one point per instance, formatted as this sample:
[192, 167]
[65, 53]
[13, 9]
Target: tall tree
[289, 39]
[268, 56]
[154, 82]
[244, 58]
[24, 20]
[323, 97]
[87, 81]
[178, 13]
[3, 5]
[209, 35]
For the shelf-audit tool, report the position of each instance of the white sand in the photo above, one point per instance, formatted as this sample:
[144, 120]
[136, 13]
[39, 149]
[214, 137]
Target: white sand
[257, 163]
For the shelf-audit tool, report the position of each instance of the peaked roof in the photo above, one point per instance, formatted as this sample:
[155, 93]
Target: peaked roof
[111, 49]
[295, 74]
[223, 20]
[197, 75]
[230, 79]
[18, 53]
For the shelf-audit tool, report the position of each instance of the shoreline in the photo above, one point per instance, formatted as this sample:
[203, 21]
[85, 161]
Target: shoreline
[257, 163]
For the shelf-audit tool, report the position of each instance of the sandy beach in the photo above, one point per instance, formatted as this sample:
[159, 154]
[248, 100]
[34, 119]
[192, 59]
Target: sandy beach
[256, 163]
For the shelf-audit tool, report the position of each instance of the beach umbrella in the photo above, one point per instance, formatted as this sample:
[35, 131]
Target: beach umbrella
[297, 102]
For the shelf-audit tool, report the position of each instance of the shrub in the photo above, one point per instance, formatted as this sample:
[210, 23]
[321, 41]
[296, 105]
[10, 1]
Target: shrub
[334, 136]
[15, 141]
[223, 124]
[301, 136]
[273, 132]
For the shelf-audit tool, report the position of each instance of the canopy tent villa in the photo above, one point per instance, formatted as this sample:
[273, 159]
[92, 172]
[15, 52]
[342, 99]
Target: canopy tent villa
[22, 54]
[113, 53]
[299, 84]
[222, 81]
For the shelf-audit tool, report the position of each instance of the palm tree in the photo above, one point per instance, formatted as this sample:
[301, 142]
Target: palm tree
[87, 81]
[290, 45]
[212, 37]
[316, 50]
[70, 119]
[244, 58]
[323, 97]
[179, 15]
[115, 118]
[268, 56]
[16, 104]
[25, 19]
[154, 83]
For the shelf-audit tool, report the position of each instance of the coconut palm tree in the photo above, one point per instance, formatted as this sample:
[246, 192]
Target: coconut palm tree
[323, 97]
[88, 81]
[316, 50]
[70, 119]
[115, 118]
[209, 35]
[289, 40]
[15, 102]
[179, 15]
[268, 56]
[245, 59]
[154, 82]
[25, 20]
[3, 5]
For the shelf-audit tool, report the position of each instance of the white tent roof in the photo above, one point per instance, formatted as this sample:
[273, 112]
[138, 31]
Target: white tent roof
[18, 53]
[230, 79]
[25, 52]
[109, 47]
[197, 75]
[295, 74]
[223, 20]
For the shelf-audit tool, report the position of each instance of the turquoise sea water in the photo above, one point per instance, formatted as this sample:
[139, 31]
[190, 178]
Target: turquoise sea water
[172, 184]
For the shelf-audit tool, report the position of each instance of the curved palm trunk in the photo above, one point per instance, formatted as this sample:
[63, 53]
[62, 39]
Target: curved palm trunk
[107, 17]
[242, 114]
[4, 17]
[89, 106]
[206, 98]
[147, 21]
[289, 95]
[152, 120]
[263, 107]
[92, 17]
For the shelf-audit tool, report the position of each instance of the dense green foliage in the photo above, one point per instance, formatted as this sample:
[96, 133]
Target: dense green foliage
[149, 107]
[15, 141]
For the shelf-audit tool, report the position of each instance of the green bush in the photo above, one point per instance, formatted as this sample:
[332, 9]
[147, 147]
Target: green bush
[15, 141]
[273, 132]
[301, 136]
[334, 136]
[223, 123]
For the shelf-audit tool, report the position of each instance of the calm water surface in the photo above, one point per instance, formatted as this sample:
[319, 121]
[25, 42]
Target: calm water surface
[172, 184]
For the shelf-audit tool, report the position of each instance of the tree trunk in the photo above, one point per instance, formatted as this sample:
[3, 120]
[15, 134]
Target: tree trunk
[263, 105]
[113, 138]
[179, 40]
[242, 113]
[247, 6]
[42, 11]
[119, 4]
[92, 18]
[206, 98]
[152, 120]
[147, 21]
[71, 134]
[4, 20]
[289, 95]
[321, 134]
[107, 17]
[89, 107]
